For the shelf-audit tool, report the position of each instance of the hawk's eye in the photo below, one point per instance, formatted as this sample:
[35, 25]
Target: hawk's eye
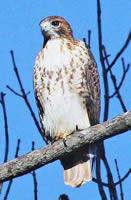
[55, 23]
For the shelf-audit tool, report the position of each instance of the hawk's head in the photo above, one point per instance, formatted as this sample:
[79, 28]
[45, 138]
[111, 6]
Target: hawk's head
[55, 27]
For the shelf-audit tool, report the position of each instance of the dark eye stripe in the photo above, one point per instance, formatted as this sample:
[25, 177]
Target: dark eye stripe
[55, 23]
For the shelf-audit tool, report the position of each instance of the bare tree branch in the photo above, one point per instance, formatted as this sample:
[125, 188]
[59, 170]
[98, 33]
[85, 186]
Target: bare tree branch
[11, 181]
[125, 70]
[118, 92]
[121, 189]
[2, 101]
[34, 176]
[105, 77]
[89, 39]
[120, 52]
[112, 190]
[117, 183]
[99, 181]
[12, 90]
[114, 80]
[50, 153]
[122, 179]
[88, 45]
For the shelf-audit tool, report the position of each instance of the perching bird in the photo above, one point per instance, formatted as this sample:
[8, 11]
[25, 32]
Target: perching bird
[67, 92]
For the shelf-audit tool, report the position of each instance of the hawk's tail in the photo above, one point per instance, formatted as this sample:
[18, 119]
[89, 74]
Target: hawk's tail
[77, 167]
[79, 174]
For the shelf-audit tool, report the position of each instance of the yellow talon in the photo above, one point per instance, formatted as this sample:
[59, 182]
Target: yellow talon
[64, 136]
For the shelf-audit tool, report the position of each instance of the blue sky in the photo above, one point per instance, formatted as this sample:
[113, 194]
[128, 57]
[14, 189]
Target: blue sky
[20, 31]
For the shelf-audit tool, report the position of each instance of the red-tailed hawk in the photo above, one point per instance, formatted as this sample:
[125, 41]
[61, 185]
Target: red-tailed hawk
[67, 91]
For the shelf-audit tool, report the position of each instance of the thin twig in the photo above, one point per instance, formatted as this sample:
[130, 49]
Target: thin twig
[112, 192]
[112, 189]
[6, 127]
[88, 45]
[2, 101]
[96, 181]
[125, 70]
[124, 177]
[117, 183]
[120, 52]
[98, 175]
[89, 39]
[34, 177]
[105, 75]
[12, 90]
[17, 148]
[16, 93]
[24, 95]
[119, 177]
[115, 83]
[11, 181]
[84, 39]
[117, 91]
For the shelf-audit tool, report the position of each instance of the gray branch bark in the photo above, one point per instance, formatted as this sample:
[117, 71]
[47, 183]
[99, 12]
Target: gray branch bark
[38, 158]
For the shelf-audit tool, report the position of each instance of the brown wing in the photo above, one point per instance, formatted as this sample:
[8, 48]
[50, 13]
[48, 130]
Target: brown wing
[93, 85]
[41, 113]
[45, 134]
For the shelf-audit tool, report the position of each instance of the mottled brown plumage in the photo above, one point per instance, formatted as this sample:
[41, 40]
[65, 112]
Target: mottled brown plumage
[67, 91]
